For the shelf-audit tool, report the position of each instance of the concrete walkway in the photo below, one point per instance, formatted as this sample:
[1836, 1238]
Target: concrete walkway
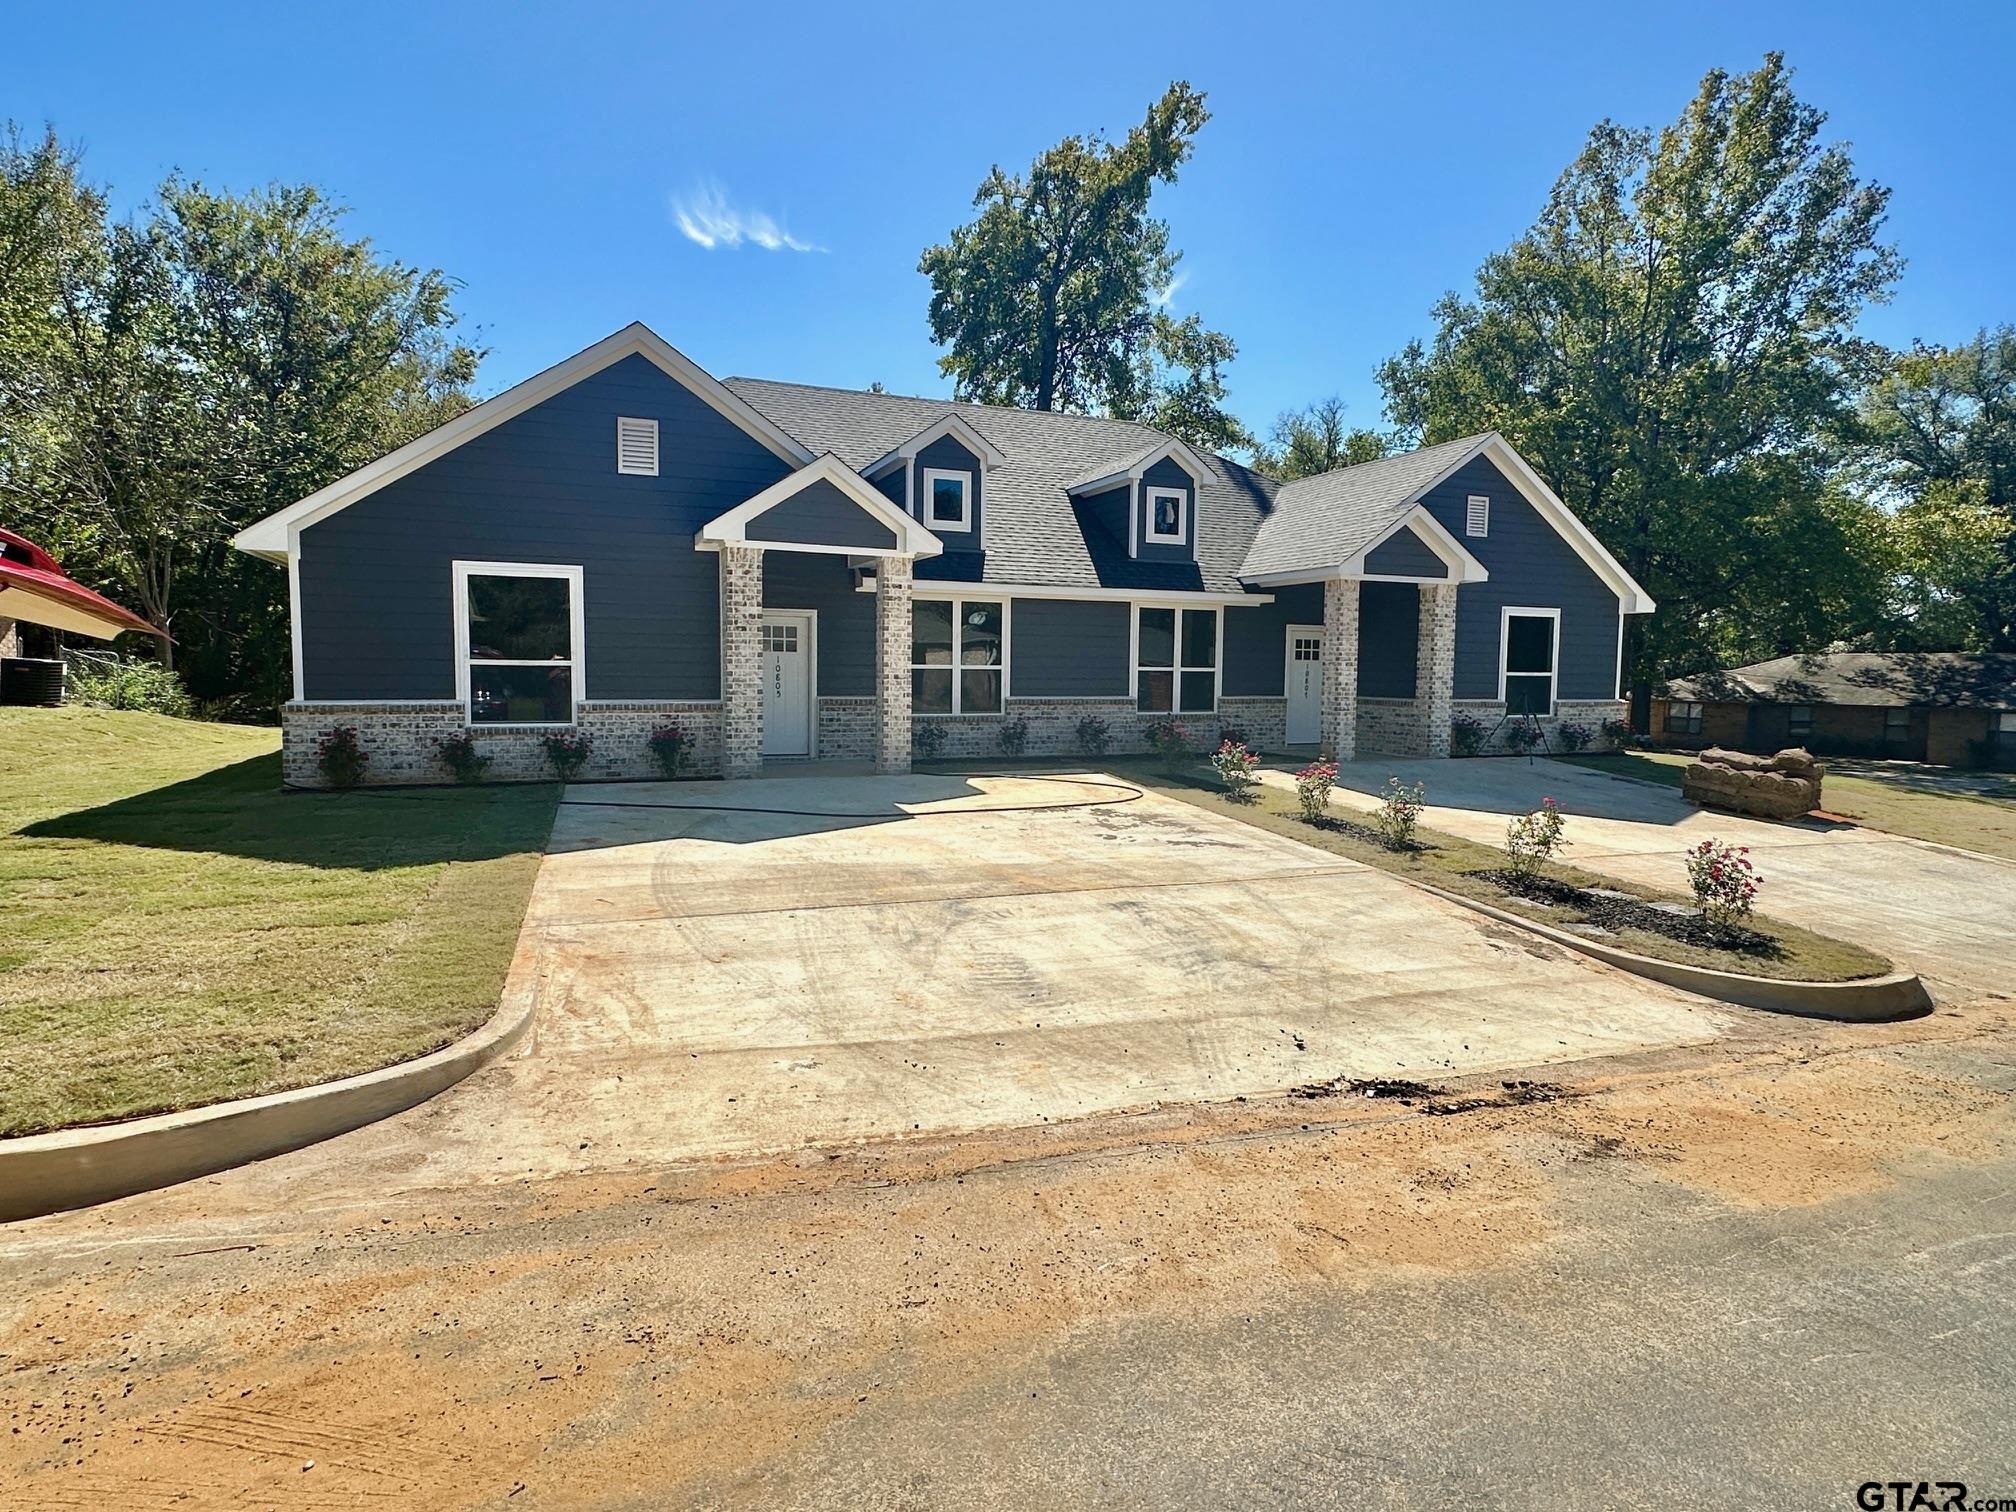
[1949, 915]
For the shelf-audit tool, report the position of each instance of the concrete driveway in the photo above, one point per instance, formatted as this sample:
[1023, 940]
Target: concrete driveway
[1948, 914]
[730, 970]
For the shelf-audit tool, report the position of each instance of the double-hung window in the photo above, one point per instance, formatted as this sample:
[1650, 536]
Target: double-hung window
[1896, 728]
[1529, 648]
[948, 499]
[1167, 525]
[518, 642]
[1175, 660]
[958, 656]
[1799, 723]
[1683, 718]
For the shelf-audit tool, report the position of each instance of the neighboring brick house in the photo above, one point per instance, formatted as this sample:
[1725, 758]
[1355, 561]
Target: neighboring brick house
[1952, 708]
[793, 572]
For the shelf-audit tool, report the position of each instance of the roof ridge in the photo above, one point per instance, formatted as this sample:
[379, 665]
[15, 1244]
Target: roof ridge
[1012, 409]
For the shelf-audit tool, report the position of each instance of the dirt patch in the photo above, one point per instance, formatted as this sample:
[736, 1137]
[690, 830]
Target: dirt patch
[1610, 911]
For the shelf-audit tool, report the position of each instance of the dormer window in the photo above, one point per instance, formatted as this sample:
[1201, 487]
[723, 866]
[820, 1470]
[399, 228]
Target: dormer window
[948, 499]
[1167, 525]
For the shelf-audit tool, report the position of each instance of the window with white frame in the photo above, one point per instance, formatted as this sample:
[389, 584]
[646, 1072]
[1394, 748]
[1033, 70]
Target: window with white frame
[948, 499]
[637, 446]
[518, 637]
[1167, 525]
[958, 656]
[1528, 650]
[1683, 717]
[1799, 722]
[1477, 520]
[1175, 660]
[1896, 727]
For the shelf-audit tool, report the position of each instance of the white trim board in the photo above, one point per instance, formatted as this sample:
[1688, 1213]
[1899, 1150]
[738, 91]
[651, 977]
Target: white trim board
[577, 649]
[965, 480]
[731, 527]
[270, 537]
[1463, 567]
[1133, 471]
[956, 426]
[1182, 497]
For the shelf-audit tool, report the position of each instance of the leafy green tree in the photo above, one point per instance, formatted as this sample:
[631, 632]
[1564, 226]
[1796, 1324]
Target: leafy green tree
[1669, 344]
[1315, 439]
[1938, 430]
[171, 379]
[1052, 297]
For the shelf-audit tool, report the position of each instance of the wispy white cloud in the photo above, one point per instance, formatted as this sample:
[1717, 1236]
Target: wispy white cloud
[1162, 296]
[706, 216]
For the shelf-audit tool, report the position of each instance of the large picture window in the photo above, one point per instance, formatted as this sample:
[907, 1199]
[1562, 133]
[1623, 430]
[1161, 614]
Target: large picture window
[1175, 660]
[1683, 717]
[1529, 647]
[518, 642]
[958, 656]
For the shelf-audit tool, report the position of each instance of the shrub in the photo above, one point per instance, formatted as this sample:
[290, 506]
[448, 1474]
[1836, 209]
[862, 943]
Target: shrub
[1234, 735]
[1466, 735]
[143, 685]
[1725, 883]
[1533, 838]
[1617, 732]
[1234, 765]
[1169, 738]
[1574, 737]
[341, 756]
[927, 740]
[1399, 812]
[567, 751]
[1521, 735]
[463, 756]
[1312, 788]
[1013, 736]
[1094, 735]
[672, 748]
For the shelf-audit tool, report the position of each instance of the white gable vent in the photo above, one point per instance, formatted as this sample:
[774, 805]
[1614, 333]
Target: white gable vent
[637, 446]
[1477, 522]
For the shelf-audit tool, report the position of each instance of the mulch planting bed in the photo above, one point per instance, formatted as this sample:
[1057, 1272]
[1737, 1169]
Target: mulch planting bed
[1363, 832]
[1612, 911]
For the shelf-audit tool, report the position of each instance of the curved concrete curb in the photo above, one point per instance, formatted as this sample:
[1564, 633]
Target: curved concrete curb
[1863, 1001]
[72, 1168]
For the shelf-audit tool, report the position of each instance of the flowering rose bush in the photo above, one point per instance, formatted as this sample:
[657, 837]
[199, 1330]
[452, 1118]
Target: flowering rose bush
[1725, 883]
[1312, 788]
[567, 751]
[671, 747]
[462, 756]
[1521, 735]
[1466, 735]
[1170, 739]
[1094, 735]
[1617, 732]
[341, 756]
[1234, 765]
[1399, 812]
[927, 740]
[1533, 838]
[1013, 736]
[1574, 737]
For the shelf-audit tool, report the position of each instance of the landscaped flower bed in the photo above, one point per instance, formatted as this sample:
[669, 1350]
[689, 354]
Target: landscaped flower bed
[1613, 912]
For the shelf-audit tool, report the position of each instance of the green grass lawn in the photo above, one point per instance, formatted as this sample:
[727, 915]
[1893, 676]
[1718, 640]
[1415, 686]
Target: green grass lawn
[1973, 821]
[1445, 859]
[175, 930]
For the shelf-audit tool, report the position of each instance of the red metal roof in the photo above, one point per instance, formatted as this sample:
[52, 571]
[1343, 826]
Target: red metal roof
[34, 589]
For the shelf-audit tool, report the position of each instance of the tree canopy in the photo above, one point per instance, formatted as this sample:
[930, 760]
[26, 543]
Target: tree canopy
[169, 379]
[1055, 296]
[1315, 439]
[1669, 344]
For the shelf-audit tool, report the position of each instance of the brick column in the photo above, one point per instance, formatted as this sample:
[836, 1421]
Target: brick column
[1435, 663]
[741, 661]
[893, 591]
[1340, 669]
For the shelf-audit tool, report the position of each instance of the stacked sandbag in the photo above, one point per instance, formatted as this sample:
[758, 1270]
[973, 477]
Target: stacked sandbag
[1784, 786]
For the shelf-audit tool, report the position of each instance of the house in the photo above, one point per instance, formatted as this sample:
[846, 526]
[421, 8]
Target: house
[38, 600]
[1954, 708]
[790, 572]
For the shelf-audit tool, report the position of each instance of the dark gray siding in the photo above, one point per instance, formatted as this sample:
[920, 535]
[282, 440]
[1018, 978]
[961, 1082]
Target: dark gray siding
[1388, 617]
[377, 617]
[1067, 648]
[1256, 640]
[1532, 566]
[1405, 554]
[952, 456]
[800, 580]
[1166, 474]
[895, 488]
[821, 515]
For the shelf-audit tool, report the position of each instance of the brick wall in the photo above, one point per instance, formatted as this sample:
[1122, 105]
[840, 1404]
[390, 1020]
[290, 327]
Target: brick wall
[1591, 712]
[1053, 726]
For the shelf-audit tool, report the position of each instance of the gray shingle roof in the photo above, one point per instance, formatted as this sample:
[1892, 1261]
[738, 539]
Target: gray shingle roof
[1035, 534]
[1326, 520]
[1874, 679]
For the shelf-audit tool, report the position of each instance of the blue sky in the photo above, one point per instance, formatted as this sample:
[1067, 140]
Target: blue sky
[1361, 160]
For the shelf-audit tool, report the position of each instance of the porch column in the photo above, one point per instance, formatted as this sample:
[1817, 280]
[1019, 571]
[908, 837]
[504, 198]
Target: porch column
[893, 587]
[741, 661]
[1339, 731]
[1435, 663]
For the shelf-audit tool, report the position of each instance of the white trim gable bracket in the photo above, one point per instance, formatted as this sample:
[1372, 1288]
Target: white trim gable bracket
[953, 425]
[271, 537]
[1463, 567]
[1134, 471]
[732, 527]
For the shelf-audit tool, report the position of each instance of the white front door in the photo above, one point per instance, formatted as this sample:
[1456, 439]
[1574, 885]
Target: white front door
[1305, 684]
[787, 682]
